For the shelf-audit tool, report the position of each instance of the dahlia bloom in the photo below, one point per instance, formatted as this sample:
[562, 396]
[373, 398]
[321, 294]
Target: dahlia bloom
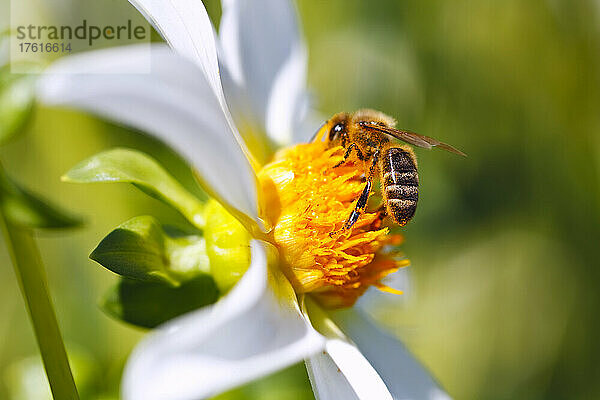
[225, 103]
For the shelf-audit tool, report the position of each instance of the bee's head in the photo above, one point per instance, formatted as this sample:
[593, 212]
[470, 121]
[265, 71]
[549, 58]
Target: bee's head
[342, 126]
[334, 129]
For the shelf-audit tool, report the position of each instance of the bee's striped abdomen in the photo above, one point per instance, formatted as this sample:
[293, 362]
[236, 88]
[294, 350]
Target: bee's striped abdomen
[400, 183]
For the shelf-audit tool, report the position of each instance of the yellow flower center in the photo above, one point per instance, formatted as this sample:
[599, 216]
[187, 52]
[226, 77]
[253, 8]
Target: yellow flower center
[306, 199]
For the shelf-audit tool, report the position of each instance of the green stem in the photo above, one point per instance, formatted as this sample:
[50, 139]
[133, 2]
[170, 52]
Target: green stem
[32, 280]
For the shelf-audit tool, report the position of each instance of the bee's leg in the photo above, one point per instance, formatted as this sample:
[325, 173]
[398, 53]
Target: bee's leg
[352, 146]
[361, 204]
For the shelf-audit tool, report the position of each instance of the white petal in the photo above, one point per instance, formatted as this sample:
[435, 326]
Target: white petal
[174, 102]
[355, 376]
[405, 377]
[342, 368]
[266, 58]
[288, 102]
[328, 382]
[250, 333]
[185, 25]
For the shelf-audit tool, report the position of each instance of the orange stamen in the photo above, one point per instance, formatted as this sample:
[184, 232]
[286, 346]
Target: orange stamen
[305, 200]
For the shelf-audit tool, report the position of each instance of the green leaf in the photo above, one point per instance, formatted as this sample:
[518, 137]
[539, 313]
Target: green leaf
[16, 103]
[141, 249]
[126, 165]
[26, 209]
[148, 304]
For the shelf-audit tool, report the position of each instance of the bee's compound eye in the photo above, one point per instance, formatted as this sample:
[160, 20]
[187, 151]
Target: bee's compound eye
[335, 131]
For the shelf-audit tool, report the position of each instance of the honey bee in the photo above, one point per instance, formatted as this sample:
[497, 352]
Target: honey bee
[368, 133]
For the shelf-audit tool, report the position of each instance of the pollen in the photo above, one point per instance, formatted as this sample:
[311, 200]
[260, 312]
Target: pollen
[307, 201]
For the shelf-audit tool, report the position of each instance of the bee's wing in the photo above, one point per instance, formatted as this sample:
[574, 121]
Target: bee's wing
[412, 138]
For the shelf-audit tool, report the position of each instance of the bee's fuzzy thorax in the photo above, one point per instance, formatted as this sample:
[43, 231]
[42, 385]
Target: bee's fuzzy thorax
[367, 114]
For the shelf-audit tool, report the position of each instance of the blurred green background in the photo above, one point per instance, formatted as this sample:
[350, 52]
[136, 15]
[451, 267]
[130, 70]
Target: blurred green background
[505, 298]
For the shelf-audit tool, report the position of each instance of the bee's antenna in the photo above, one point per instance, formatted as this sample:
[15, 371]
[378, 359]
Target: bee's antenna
[316, 136]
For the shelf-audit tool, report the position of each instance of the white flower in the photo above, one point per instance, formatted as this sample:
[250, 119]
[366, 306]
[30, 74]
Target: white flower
[185, 101]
